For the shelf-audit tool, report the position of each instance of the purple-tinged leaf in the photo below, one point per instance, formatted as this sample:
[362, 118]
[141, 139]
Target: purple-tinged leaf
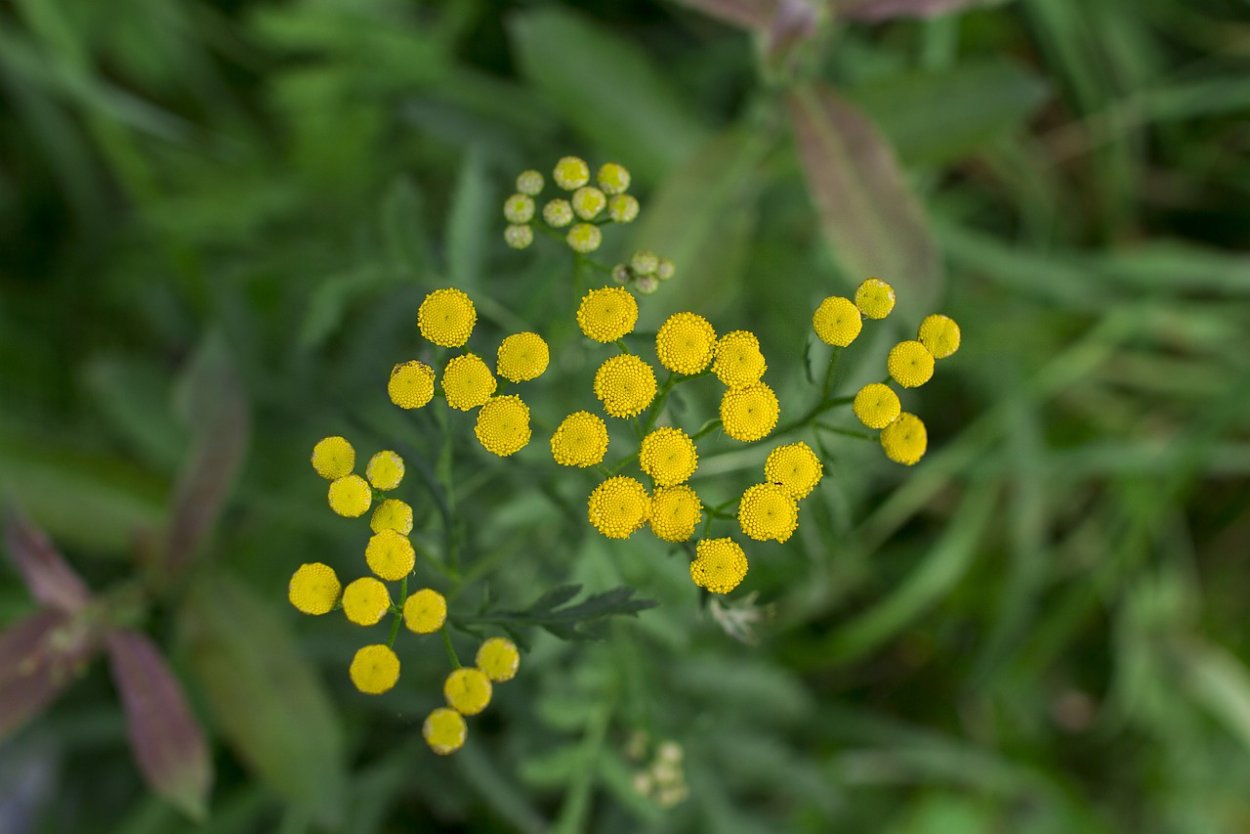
[39, 656]
[748, 14]
[870, 217]
[165, 737]
[873, 11]
[48, 576]
[794, 21]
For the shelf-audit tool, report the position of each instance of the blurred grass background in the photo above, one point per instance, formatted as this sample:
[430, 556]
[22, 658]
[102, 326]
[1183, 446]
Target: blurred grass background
[1040, 628]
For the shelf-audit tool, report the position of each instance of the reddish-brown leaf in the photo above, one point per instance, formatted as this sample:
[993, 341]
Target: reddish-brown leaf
[48, 576]
[39, 656]
[166, 740]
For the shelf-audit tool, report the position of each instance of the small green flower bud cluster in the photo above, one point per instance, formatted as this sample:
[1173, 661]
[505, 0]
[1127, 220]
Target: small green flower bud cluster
[645, 270]
[581, 212]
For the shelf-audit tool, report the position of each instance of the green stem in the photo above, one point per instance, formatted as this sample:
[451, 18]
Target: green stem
[620, 343]
[706, 428]
[860, 435]
[827, 387]
[403, 595]
[658, 405]
[451, 650]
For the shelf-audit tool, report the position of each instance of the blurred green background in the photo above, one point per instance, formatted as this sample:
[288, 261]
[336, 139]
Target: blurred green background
[236, 207]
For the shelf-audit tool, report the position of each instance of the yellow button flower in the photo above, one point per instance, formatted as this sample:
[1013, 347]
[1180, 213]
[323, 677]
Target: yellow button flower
[385, 470]
[444, 731]
[518, 237]
[503, 425]
[558, 213]
[390, 555]
[581, 439]
[522, 357]
[767, 512]
[910, 364]
[618, 507]
[314, 588]
[749, 413]
[875, 298]
[411, 384]
[333, 457]
[467, 382]
[623, 208]
[519, 208]
[613, 178]
[425, 611]
[529, 182]
[905, 440]
[584, 238]
[607, 314]
[719, 565]
[675, 513]
[837, 321]
[392, 514]
[350, 497]
[668, 455]
[446, 317]
[467, 690]
[739, 362]
[876, 405]
[571, 172]
[685, 343]
[366, 601]
[499, 659]
[795, 468]
[374, 669]
[625, 385]
[940, 335]
[588, 201]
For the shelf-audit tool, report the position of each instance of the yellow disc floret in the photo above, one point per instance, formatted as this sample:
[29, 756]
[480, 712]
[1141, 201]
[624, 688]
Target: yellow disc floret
[558, 213]
[767, 512]
[467, 382]
[837, 321]
[940, 335]
[749, 413]
[467, 690]
[618, 507]
[719, 565]
[910, 364]
[390, 555]
[499, 659]
[366, 601]
[625, 385]
[314, 588]
[519, 208]
[392, 514]
[385, 470]
[675, 513]
[425, 611]
[795, 468]
[350, 497]
[374, 669]
[503, 425]
[613, 178]
[411, 384]
[739, 362]
[876, 405]
[571, 172]
[522, 357]
[446, 317]
[905, 440]
[685, 343]
[581, 439]
[333, 457]
[875, 298]
[584, 238]
[668, 455]
[588, 201]
[607, 314]
[444, 730]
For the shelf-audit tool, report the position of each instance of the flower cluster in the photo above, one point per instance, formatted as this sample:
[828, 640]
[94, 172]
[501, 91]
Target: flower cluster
[644, 270]
[468, 690]
[581, 213]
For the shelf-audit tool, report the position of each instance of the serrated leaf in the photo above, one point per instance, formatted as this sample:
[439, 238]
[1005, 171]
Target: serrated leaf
[40, 656]
[583, 621]
[49, 578]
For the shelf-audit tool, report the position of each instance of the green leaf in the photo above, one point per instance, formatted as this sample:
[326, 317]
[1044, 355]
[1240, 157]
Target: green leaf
[403, 227]
[475, 219]
[582, 621]
[330, 301]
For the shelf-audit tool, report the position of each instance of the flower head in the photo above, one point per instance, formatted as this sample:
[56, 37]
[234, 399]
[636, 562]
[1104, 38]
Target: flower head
[392, 514]
[719, 565]
[837, 321]
[876, 405]
[940, 335]
[411, 384]
[503, 425]
[571, 172]
[739, 362]
[425, 611]
[675, 513]
[390, 555]
[613, 178]
[749, 413]
[499, 659]
[795, 468]
[607, 314]
[875, 298]
[374, 669]
[581, 439]
[584, 238]
[350, 496]
[467, 690]
[467, 382]
[665, 269]
[910, 364]
[644, 262]
[668, 455]
[314, 588]
[529, 182]
[333, 457]
[366, 601]
[588, 201]
[768, 512]
[618, 507]
[623, 208]
[519, 208]
[558, 213]
[522, 357]
[385, 470]
[685, 343]
[905, 440]
[444, 731]
[625, 385]
[446, 317]
[518, 236]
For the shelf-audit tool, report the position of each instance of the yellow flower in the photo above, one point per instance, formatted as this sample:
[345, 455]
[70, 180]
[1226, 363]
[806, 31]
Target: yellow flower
[675, 513]
[499, 659]
[522, 357]
[668, 455]
[876, 405]
[618, 507]
[837, 321]
[444, 730]
[518, 237]
[558, 213]
[644, 262]
[503, 425]
[350, 497]
[940, 335]
[314, 588]
[875, 298]
[910, 364]
[739, 362]
[571, 172]
[392, 514]
[374, 669]
[411, 384]
[607, 314]
[613, 178]
[467, 382]
[584, 238]
[588, 201]
[905, 440]
[467, 690]
[685, 343]
[768, 512]
[581, 439]
[333, 457]
[795, 468]
[749, 413]
[623, 208]
[390, 555]
[385, 470]
[519, 208]
[366, 601]
[425, 611]
[625, 385]
[719, 565]
[446, 317]
[529, 182]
